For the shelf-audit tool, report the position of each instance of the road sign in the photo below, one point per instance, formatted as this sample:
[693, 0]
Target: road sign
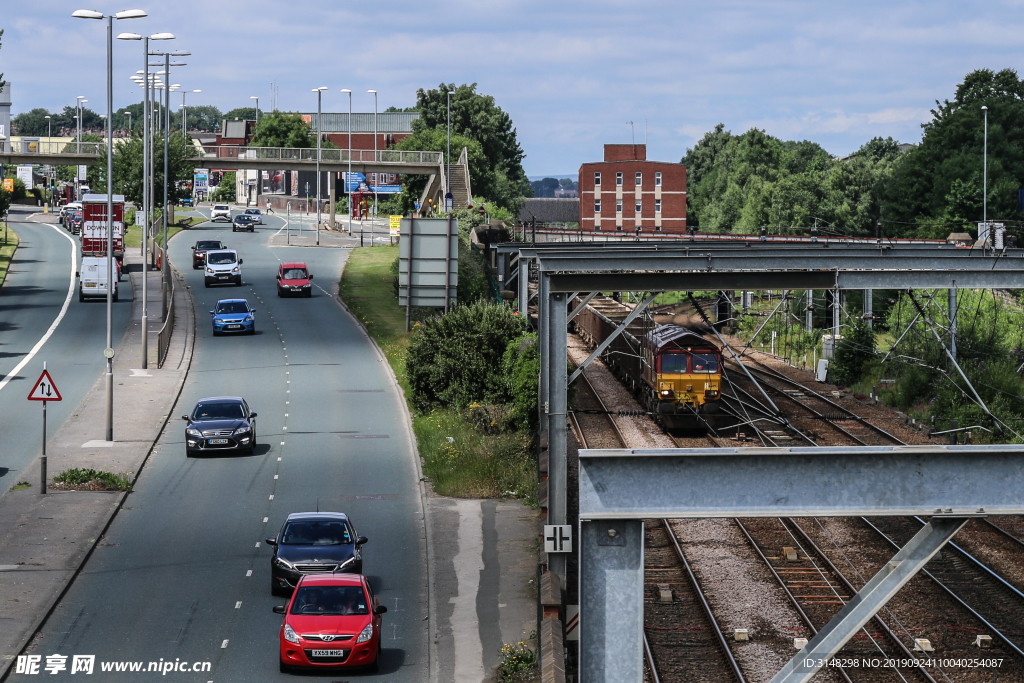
[45, 389]
[558, 538]
[396, 225]
[572, 622]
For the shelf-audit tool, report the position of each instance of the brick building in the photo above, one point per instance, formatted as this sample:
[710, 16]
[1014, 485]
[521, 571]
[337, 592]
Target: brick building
[626, 191]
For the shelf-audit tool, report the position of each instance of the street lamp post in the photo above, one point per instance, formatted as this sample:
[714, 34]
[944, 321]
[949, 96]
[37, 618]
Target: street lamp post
[254, 97]
[984, 190]
[448, 159]
[319, 93]
[49, 133]
[348, 176]
[374, 159]
[108, 351]
[184, 112]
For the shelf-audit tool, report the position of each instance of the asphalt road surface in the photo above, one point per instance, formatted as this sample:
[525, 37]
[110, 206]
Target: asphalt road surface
[31, 299]
[183, 573]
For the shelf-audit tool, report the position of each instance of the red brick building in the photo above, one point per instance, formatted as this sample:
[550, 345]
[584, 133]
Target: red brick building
[626, 191]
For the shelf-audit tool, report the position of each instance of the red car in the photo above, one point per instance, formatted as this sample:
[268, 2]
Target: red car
[294, 279]
[332, 621]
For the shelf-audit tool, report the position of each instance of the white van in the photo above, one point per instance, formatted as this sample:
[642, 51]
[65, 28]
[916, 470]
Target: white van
[222, 267]
[92, 278]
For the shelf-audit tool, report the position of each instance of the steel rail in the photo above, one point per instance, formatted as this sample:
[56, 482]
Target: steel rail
[649, 656]
[734, 665]
[604, 409]
[963, 603]
[786, 380]
[789, 594]
[736, 387]
[1004, 532]
[853, 591]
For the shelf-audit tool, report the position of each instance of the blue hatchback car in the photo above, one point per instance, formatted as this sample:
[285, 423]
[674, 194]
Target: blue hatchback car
[233, 315]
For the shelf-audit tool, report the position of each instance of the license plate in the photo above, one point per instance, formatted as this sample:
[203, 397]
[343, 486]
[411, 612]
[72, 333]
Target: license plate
[223, 277]
[217, 442]
[329, 653]
[90, 284]
[234, 327]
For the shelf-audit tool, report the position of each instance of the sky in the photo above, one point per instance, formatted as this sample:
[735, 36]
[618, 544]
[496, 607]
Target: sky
[572, 75]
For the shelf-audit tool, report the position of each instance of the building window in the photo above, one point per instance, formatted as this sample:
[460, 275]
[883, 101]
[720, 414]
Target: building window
[639, 178]
[657, 206]
[597, 177]
[597, 205]
[597, 227]
[657, 228]
[618, 178]
[618, 205]
[657, 179]
[639, 206]
[619, 228]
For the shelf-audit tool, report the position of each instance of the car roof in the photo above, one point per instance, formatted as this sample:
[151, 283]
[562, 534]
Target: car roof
[221, 398]
[332, 579]
[252, 211]
[231, 301]
[220, 206]
[316, 515]
[293, 264]
[214, 251]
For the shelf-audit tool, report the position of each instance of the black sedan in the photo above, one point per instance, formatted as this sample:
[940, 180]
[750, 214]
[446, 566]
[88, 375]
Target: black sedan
[218, 424]
[314, 543]
[243, 222]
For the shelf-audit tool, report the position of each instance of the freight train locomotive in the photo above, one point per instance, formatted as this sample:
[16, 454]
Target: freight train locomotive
[673, 371]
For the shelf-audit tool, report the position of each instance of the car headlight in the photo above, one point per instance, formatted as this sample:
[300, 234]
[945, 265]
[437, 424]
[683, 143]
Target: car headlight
[291, 636]
[366, 634]
[248, 319]
[218, 321]
[242, 430]
[347, 563]
[284, 563]
[209, 270]
[235, 269]
[192, 432]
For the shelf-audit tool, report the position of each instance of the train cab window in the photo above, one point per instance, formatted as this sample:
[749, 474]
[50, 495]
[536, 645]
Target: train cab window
[705, 363]
[673, 363]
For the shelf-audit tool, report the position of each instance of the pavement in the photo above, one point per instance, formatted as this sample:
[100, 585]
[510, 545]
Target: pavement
[177, 571]
[46, 538]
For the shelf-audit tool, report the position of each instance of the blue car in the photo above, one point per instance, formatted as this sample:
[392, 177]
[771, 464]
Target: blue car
[233, 315]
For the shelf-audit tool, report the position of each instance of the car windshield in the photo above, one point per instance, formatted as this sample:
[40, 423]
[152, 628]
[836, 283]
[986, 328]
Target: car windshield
[232, 307]
[218, 411]
[333, 600]
[221, 258]
[208, 245]
[673, 362]
[223, 207]
[242, 218]
[295, 274]
[705, 362]
[254, 212]
[314, 532]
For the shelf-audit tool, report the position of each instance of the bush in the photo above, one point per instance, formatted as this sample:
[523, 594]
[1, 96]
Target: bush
[517, 662]
[455, 359]
[92, 480]
[520, 367]
[852, 352]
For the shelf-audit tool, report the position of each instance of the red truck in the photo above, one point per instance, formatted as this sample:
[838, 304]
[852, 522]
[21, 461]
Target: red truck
[94, 225]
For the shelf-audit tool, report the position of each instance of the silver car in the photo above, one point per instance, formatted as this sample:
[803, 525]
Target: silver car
[257, 215]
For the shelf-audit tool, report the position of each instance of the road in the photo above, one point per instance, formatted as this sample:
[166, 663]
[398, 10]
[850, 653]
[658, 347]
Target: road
[183, 572]
[31, 299]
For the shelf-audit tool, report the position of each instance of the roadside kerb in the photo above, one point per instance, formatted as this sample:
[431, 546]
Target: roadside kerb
[35, 573]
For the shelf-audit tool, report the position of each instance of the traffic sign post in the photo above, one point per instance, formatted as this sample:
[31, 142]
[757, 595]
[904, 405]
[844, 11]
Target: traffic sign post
[44, 390]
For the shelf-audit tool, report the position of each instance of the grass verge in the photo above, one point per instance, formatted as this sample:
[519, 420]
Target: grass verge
[7, 253]
[21, 486]
[133, 235]
[79, 479]
[459, 457]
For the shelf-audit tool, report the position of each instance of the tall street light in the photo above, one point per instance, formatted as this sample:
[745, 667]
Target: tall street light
[184, 112]
[319, 127]
[448, 173]
[374, 158]
[49, 132]
[254, 97]
[348, 176]
[78, 122]
[108, 352]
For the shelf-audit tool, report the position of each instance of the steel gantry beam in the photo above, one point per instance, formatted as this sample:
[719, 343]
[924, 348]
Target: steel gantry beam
[619, 488]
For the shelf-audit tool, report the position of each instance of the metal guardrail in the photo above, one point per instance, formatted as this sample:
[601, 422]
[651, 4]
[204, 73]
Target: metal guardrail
[43, 147]
[164, 336]
[328, 155]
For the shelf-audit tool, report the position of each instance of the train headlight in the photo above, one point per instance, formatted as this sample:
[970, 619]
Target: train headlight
[710, 393]
[667, 393]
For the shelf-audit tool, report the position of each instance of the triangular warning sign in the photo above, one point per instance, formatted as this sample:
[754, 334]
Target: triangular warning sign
[45, 389]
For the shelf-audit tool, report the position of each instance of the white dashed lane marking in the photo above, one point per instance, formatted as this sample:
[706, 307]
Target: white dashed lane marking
[238, 604]
[265, 519]
[257, 544]
[249, 573]
[275, 476]
[224, 644]
[271, 496]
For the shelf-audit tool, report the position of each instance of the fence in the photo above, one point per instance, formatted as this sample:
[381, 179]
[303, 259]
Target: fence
[164, 336]
[330, 155]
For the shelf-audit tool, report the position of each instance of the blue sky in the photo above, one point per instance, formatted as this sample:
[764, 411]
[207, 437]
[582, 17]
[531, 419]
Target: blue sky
[571, 74]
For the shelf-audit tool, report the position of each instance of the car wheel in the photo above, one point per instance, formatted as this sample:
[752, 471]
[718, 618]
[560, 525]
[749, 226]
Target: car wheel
[375, 667]
[309, 293]
[81, 297]
[279, 294]
[206, 283]
[285, 669]
[189, 453]
[233, 229]
[238, 282]
[114, 298]
[216, 333]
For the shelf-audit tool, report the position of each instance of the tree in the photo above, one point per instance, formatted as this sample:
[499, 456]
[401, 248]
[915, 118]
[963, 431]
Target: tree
[400, 109]
[3, 83]
[278, 129]
[852, 353]
[225, 191]
[128, 160]
[478, 118]
[545, 187]
[242, 113]
[434, 140]
[204, 117]
[33, 122]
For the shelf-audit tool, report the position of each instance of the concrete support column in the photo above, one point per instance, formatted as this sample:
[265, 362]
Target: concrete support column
[869, 315]
[611, 594]
[558, 482]
[810, 311]
[952, 322]
[332, 184]
[524, 285]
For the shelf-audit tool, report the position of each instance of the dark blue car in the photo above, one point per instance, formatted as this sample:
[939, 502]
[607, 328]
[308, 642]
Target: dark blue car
[233, 315]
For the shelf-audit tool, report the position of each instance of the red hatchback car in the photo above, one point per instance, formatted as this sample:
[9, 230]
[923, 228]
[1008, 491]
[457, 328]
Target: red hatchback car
[294, 279]
[332, 621]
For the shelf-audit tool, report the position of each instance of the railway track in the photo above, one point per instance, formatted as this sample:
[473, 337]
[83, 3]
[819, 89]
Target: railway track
[817, 590]
[986, 595]
[601, 427]
[682, 637]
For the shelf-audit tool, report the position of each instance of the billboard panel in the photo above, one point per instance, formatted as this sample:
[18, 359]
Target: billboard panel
[427, 250]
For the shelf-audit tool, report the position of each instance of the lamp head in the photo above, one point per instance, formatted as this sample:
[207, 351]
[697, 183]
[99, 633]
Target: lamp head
[984, 108]
[373, 91]
[162, 36]
[197, 91]
[346, 90]
[87, 14]
[130, 14]
[129, 36]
